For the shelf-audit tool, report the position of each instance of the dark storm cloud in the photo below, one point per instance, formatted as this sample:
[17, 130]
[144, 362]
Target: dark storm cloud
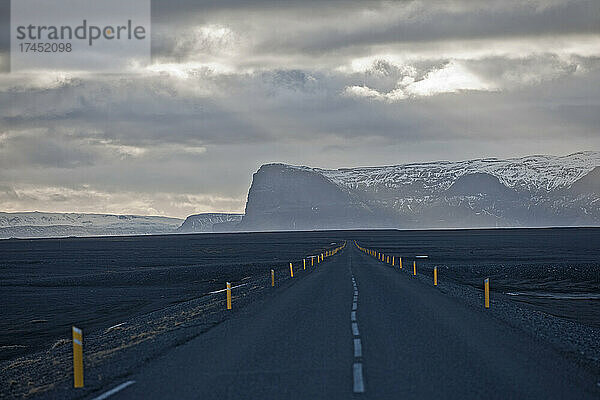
[427, 26]
[321, 27]
[4, 26]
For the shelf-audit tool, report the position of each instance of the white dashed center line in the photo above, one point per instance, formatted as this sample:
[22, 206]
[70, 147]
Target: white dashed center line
[357, 367]
[359, 385]
[355, 329]
[357, 348]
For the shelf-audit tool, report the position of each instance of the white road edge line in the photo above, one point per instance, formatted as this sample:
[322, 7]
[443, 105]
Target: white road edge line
[113, 391]
[355, 329]
[353, 316]
[359, 385]
[354, 306]
[357, 348]
[222, 290]
[114, 326]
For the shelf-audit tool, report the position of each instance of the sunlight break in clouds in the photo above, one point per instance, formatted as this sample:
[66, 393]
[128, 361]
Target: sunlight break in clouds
[451, 78]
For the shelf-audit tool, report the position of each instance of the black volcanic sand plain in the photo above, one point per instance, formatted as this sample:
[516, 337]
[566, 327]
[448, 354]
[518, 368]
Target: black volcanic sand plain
[555, 270]
[94, 283]
[546, 278]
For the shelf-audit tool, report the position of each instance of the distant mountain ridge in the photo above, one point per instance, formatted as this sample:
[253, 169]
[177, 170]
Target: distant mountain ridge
[37, 218]
[536, 173]
[210, 222]
[40, 224]
[530, 191]
[537, 190]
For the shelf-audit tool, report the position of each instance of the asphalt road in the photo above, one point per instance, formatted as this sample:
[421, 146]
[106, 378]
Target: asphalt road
[406, 340]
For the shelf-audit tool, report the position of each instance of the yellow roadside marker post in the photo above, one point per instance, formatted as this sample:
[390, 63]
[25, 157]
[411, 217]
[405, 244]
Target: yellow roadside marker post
[228, 296]
[414, 268]
[400, 262]
[304, 263]
[272, 278]
[312, 261]
[291, 271]
[486, 283]
[393, 258]
[77, 357]
[434, 276]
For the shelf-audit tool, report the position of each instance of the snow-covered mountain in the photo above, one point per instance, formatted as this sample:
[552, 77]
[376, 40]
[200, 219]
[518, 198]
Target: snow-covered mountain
[77, 219]
[541, 173]
[40, 224]
[528, 191]
[210, 222]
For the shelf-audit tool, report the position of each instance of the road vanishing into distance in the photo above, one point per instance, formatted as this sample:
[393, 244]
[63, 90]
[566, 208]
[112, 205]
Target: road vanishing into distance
[358, 328]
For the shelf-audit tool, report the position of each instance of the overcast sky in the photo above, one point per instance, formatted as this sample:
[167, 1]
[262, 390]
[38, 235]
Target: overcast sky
[326, 84]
